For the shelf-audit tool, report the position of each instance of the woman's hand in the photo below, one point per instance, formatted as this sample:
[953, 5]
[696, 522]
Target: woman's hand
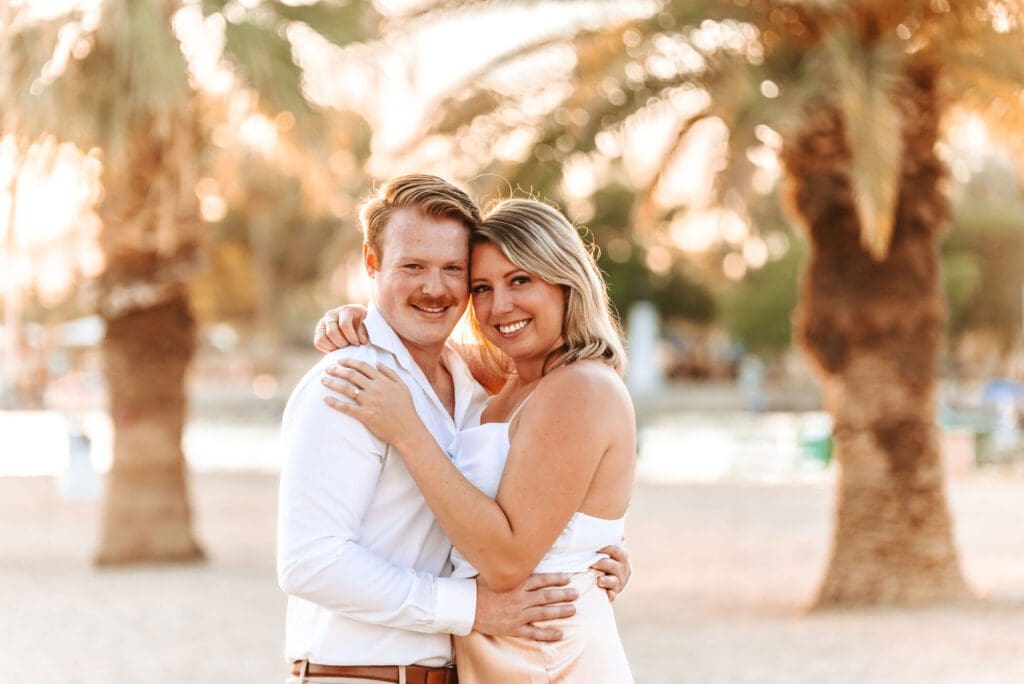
[378, 399]
[340, 328]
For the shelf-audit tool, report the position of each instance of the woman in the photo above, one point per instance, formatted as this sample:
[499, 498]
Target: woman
[545, 480]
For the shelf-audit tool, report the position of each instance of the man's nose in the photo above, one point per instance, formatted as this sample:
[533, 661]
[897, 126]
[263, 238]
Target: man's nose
[433, 284]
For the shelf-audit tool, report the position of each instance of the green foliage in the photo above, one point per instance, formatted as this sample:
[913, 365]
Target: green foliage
[675, 293]
[757, 311]
[983, 258]
[961, 280]
[263, 58]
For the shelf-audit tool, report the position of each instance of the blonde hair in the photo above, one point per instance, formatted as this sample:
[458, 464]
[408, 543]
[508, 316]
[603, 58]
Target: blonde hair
[538, 239]
[433, 196]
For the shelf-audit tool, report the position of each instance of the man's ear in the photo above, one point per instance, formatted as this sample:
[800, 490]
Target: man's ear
[370, 260]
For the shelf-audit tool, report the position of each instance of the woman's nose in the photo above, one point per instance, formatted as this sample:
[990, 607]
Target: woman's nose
[502, 301]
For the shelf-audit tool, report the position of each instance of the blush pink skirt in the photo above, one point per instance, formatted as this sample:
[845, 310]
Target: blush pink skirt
[590, 650]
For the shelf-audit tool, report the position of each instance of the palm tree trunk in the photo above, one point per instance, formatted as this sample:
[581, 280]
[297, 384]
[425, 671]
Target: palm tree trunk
[149, 236]
[874, 330]
[146, 516]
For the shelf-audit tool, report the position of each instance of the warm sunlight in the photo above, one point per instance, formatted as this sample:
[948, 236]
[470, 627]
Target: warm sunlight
[48, 225]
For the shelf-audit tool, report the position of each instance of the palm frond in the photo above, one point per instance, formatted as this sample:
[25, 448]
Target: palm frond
[131, 78]
[644, 213]
[263, 60]
[339, 21]
[867, 79]
[440, 8]
[593, 47]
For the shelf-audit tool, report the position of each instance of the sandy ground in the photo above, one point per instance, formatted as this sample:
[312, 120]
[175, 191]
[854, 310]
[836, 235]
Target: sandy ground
[722, 572]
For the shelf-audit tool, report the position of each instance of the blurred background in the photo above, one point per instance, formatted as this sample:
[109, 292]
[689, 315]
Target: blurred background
[811, 220]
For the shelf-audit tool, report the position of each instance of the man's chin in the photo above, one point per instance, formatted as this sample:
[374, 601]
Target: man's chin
[427, 332]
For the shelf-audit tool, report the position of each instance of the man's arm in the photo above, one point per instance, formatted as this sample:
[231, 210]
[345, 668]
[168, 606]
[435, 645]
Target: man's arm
[330, 472]
[616, 568]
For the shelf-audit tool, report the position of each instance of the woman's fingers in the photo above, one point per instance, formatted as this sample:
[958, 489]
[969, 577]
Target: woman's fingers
[387, 372]
[320, 339]
[352, 377]
[368, 371]
[350, 332]
[364, 335]
[340, 406]
[333, 331]
[342, 387]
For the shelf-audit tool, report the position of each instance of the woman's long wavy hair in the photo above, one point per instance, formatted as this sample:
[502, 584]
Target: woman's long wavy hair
[538, 239]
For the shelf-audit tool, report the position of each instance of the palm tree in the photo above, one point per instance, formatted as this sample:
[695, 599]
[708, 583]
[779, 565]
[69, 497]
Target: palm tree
[115, 76]
[851, 97]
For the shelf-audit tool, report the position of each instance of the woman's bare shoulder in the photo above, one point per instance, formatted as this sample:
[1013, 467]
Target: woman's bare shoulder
[591, 384]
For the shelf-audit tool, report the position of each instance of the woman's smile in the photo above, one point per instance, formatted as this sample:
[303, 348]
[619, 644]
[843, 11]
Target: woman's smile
[511, 329]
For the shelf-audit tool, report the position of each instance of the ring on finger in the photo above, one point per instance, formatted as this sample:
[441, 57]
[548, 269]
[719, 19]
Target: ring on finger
[355, 394]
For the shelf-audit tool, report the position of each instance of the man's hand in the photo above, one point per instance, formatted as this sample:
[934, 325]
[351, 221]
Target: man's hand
[514, 613]
[616, 569]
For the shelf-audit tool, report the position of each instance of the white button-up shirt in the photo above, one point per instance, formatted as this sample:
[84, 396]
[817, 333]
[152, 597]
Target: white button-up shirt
[359, 552]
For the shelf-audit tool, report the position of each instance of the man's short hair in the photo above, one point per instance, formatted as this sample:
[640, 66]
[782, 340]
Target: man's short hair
[433, 196]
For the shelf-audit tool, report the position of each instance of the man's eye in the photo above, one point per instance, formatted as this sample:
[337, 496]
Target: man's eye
[454, 269]
[413, 266]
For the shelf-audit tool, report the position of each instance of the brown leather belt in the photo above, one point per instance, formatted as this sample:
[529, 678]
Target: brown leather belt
[414, 674]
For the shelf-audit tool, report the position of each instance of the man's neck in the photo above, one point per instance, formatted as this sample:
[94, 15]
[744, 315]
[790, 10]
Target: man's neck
[427, 358]
[430, 361]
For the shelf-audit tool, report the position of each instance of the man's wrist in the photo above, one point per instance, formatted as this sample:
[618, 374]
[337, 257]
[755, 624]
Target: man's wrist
[456, 605]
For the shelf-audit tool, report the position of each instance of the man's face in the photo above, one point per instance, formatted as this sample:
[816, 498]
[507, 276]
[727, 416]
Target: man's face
[421, 280]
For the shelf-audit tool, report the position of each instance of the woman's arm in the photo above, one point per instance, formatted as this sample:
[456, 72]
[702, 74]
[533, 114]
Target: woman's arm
[486, 374]
[343, 327]
[562, 435]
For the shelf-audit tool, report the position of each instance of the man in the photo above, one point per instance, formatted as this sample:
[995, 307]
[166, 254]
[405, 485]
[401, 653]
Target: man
[360, 554]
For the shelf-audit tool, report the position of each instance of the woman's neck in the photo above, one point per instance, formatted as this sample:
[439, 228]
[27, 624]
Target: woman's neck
[531, 369]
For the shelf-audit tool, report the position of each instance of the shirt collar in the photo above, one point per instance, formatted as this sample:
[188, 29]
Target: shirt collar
[384, 336]
[467, 388]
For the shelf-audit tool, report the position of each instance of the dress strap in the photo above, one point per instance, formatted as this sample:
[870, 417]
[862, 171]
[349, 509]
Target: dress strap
[520, 407]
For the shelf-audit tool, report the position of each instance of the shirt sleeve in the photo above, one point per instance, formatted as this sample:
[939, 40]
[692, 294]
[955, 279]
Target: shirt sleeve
[330, 470]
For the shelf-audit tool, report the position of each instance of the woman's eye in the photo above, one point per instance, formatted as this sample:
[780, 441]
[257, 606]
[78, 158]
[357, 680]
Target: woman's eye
[476, 289]
[520, 280]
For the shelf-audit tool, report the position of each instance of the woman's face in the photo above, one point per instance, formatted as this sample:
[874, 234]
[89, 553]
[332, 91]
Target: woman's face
[518, 312]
